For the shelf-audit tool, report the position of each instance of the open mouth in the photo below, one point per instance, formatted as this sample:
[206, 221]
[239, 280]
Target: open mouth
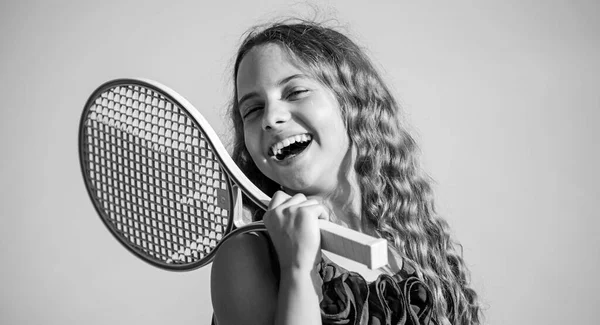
[290, 147]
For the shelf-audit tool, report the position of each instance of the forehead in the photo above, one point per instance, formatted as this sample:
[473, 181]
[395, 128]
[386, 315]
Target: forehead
[263, 66]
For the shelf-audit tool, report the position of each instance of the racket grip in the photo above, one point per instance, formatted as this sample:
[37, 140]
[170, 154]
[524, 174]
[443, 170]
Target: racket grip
[353, 245]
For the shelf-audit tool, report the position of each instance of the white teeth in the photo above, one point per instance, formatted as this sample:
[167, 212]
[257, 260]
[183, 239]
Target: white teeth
[276, 148]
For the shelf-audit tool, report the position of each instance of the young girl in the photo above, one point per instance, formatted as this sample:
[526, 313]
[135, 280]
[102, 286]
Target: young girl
[317, 129]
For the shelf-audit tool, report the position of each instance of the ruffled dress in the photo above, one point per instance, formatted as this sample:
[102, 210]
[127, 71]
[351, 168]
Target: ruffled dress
[349, 299]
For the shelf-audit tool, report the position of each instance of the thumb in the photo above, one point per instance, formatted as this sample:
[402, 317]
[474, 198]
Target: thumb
[325, 211]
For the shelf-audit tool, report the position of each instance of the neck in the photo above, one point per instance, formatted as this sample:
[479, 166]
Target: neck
[345, 201]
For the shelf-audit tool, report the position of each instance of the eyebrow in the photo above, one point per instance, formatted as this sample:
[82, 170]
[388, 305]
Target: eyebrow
[281, 82]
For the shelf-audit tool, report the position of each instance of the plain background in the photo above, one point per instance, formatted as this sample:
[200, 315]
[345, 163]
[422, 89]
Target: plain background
[503, 96]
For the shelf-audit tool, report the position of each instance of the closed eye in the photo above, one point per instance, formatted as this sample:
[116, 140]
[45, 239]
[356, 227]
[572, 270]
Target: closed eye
[251, 110]
[296, 94]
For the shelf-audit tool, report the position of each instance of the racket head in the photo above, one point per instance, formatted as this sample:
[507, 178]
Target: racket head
[153, 174]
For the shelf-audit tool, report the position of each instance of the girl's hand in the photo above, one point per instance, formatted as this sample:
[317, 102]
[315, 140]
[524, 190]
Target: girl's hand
[292, 223]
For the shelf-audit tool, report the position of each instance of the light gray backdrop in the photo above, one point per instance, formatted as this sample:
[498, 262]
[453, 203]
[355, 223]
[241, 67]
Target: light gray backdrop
[503, 97]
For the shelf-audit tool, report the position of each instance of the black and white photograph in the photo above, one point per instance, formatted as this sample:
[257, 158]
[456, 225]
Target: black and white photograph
[299, 162]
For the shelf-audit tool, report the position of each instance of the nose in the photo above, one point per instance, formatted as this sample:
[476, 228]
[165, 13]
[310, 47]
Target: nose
[275, 116]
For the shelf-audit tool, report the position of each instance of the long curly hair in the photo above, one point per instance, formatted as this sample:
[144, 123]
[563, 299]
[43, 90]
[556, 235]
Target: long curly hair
[397, 197]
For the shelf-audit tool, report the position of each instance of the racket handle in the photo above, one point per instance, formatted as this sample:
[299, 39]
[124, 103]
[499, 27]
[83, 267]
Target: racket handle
[354, 245]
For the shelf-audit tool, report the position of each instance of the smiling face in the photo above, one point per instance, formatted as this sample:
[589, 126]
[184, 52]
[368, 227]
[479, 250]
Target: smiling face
[293, 128]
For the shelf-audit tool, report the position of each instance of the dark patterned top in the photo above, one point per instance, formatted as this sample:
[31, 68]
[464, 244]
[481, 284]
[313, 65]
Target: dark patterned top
[349, 299]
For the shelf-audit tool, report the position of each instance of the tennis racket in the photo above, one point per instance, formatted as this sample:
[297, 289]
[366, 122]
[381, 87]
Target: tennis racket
[165, 186]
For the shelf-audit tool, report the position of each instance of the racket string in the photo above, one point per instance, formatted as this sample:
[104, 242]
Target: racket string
[142, 226]
[140, 167]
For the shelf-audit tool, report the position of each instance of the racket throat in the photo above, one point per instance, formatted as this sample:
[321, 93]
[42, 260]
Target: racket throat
[241, 215]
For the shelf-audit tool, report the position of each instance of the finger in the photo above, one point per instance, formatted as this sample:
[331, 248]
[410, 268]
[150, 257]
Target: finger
[317, 210]
[278, 198]
[325, 215]
[292, 201]
[308, 203]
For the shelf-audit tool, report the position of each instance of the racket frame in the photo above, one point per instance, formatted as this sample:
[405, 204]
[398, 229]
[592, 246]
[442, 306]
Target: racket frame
[178, 100]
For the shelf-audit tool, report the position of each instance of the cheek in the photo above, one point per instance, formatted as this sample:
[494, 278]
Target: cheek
[338, 131]
[333, 121]
[252, 142]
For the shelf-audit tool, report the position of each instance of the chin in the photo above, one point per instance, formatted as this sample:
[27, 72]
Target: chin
[307, 189]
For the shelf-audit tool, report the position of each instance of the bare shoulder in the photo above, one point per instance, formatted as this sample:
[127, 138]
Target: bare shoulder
[243, 286]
